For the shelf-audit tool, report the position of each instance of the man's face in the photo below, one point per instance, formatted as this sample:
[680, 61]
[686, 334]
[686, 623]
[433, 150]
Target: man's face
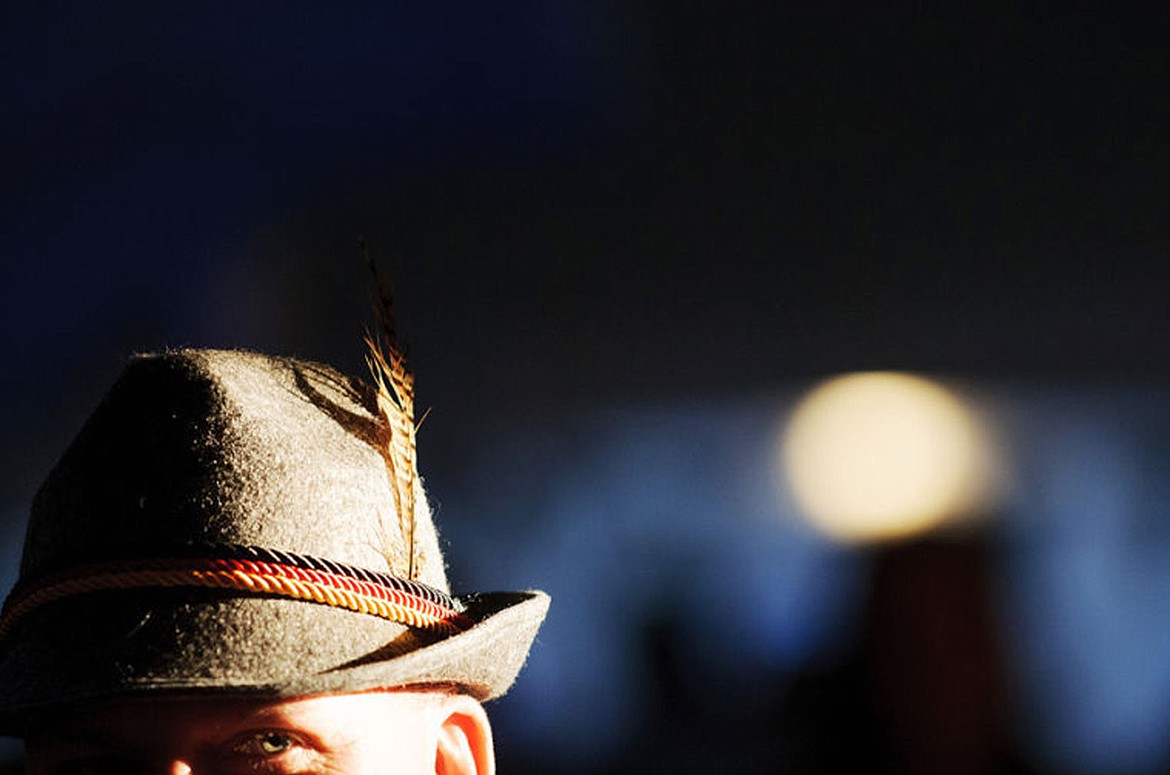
[348, 734]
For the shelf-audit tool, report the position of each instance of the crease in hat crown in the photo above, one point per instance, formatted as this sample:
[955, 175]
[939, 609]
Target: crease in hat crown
[236, 448]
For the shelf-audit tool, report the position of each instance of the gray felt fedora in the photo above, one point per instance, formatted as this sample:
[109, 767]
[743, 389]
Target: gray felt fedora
[225, 470]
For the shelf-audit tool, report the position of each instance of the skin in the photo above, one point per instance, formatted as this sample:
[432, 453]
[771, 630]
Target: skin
[376, 733]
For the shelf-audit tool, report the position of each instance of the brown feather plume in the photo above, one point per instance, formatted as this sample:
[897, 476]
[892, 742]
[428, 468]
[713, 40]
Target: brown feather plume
[395, 386]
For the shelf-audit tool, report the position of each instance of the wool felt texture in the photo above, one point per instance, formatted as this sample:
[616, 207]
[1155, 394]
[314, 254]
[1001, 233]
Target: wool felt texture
[227, 447]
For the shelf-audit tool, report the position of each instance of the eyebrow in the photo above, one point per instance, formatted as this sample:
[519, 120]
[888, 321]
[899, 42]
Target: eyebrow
[83, 731]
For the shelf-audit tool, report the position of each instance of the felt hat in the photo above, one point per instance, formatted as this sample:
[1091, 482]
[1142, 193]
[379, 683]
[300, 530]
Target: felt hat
[227, 522]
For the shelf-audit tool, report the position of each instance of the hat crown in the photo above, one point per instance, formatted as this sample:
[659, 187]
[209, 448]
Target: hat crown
[227, 447]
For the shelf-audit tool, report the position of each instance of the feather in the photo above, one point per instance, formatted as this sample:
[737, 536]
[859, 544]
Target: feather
[395, 398]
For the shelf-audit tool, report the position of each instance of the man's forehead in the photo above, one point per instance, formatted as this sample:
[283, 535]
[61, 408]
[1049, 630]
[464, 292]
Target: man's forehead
[220, 715]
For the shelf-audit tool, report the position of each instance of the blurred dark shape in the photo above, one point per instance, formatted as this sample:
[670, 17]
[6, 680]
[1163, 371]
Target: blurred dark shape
[681, 733]
[934, 662]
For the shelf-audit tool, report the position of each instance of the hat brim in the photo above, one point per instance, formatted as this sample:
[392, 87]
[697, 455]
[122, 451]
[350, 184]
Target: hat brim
[173, 644]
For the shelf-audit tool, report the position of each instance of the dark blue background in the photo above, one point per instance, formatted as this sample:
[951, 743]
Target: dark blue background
[673, 214]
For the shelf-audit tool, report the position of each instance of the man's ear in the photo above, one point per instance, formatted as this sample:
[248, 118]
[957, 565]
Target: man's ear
[465, 739]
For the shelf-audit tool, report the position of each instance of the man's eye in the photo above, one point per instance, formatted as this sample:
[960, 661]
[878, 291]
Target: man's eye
[270, 752]
[266, 743]
[274, 743]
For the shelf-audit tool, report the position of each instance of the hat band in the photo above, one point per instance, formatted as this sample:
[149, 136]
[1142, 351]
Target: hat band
[252, 570]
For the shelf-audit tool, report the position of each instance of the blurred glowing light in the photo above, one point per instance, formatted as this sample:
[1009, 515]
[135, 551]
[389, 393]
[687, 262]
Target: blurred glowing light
[880, 455]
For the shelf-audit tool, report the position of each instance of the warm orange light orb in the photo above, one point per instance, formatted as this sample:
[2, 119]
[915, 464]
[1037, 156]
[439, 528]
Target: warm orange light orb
[883, 455]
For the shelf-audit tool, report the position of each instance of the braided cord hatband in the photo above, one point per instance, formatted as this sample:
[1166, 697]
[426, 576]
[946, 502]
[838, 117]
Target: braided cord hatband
[261, 572]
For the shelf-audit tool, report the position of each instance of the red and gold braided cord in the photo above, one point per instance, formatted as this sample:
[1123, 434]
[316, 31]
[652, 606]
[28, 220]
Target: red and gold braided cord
[250, 576]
